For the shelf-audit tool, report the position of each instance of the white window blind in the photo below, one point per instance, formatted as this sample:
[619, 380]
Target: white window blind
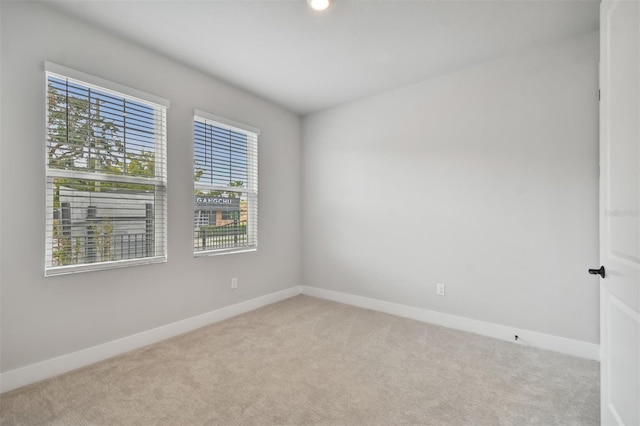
[225, 186]
[105, 176]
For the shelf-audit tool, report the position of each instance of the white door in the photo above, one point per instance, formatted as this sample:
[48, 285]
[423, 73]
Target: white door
[619, 211]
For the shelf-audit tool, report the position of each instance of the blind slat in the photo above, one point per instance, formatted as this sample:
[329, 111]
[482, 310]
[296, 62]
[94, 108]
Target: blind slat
[106, 178]
[225, 166]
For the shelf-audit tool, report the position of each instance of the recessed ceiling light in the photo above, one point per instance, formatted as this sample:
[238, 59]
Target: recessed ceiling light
[319, 4]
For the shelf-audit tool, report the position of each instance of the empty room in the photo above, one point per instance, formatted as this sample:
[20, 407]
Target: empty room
[320, 212]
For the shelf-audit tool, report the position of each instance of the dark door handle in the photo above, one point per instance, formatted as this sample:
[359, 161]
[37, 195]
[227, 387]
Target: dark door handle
[597, 271]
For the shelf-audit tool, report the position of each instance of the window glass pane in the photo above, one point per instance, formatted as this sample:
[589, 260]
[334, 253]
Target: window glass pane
[220, 222]
[97, 221]
[225, 194]
[106, 180]
[220, 155]
[94, 131]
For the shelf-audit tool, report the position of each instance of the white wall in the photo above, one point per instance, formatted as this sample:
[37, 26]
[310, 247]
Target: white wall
[45, 317]
[485, 179]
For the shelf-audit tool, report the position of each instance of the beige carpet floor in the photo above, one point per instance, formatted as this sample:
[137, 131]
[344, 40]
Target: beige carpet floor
[309, 361]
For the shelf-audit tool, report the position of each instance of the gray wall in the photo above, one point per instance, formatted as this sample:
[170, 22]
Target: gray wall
[43, 318]
[485, 179]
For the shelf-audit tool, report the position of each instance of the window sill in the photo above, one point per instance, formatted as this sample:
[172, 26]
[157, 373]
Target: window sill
[220, 252]
[87, 267]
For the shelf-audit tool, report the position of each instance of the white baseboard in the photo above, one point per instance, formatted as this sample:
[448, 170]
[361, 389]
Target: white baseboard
[52, 367]
[502, 332]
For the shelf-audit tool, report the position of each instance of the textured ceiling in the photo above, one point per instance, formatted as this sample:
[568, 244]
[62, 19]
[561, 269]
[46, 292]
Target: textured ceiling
[307, 61]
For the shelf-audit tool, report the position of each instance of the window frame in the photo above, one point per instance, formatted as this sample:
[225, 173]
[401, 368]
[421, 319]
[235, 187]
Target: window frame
[158, 181]
[251, 190]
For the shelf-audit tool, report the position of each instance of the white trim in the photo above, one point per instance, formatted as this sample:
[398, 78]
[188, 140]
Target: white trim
[102, 84]
[220, 252]
[52, 271]
[502, 332]
[52, 367]
[105, 177]
[159, 105]
[205, 187]
[230, 124]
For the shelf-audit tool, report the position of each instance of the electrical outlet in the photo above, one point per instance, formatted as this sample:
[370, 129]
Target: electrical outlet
[234, 283]
[440, 289]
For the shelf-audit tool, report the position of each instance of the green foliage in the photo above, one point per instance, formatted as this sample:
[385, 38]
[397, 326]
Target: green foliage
[62, 246]
[223, 230]
[67, 250]
[82, 138]
[76, 249]
[103, 240]
[143, 164]
[79, 136]
[197, 175]
[219, 193]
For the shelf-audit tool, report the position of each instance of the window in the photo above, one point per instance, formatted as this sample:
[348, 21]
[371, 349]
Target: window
[225, 178]
[105, 174]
